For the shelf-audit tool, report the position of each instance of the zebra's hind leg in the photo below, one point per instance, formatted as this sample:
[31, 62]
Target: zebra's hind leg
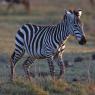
[51, 67]
[26, 66]
[12, 67]
[16, 56]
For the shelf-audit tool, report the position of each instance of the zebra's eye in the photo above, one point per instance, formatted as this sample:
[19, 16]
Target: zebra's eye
[75, 25]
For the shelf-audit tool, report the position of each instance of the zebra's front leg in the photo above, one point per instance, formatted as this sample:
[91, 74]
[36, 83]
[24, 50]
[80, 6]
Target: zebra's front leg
[61, 65]
[26, 66]
[62, 69]
[51, 67]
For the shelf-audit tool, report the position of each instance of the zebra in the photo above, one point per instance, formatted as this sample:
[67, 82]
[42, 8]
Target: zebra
[46, 42]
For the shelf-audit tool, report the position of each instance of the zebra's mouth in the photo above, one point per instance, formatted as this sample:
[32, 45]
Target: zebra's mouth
[82, 41]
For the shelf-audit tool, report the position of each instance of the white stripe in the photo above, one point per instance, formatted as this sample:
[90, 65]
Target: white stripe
[26, 46]
[22, 31]
[28, 33]
[18, 50]
[19, 37]
[18, 43]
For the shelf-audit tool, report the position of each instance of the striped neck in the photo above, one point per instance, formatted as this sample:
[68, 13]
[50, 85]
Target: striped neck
[63, 32]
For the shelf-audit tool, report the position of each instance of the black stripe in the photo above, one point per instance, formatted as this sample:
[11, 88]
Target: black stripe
[77, 32]
[55, 36]
[52, 38]
[49, 36]
[19, 47]
[18, 55]
[31, 34]
[21, 34]
[19, 41]
[41, 43]
[13, 56]
[58, 35]
[26, 32]
[17, 51]
[35, 27]
[41, 33]
[33, 42]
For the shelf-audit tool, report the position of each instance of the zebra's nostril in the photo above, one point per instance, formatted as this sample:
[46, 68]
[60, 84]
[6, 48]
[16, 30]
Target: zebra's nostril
[82, 41]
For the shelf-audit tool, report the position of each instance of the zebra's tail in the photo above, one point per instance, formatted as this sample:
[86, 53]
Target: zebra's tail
[19, 47]
[18, 52]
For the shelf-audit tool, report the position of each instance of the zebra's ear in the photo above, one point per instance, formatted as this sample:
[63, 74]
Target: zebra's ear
[79, 13]
[67, 12]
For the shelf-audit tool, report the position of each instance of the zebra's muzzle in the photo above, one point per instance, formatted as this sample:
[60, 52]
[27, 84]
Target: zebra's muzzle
[82, 41]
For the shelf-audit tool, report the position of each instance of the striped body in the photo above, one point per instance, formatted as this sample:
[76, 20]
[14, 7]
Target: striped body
[40, 41]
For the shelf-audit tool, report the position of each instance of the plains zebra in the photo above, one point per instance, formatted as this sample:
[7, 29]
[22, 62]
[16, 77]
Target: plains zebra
[46, 41]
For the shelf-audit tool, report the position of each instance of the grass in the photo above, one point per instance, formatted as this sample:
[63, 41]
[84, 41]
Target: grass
[49, 88]
[20, 88]
[45, 85]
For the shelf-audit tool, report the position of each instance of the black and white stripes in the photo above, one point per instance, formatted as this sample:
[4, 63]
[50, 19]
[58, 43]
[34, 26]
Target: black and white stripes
[46, 41]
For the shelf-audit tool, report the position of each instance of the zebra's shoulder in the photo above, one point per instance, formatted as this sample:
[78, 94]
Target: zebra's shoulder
[30, 27]
[36, 28]
[39, 26]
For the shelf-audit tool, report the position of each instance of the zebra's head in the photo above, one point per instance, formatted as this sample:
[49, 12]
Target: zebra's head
[75, 26]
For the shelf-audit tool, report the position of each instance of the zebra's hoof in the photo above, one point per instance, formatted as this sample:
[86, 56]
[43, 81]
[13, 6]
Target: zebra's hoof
[12, 79]
[60, 77]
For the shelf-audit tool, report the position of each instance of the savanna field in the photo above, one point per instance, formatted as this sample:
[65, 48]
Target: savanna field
[79, 77]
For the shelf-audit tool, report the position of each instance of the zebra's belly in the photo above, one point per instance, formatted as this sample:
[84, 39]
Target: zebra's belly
[41, 54]
[46, 54]
[38, 57]
[44, 51]
[37, 54]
